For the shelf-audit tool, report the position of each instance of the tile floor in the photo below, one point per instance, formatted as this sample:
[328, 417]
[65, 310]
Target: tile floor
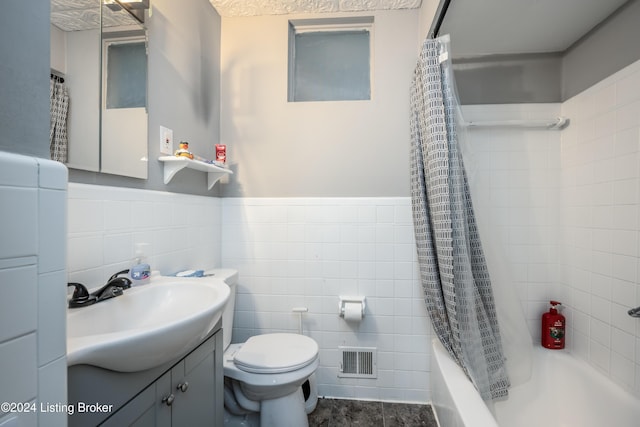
[343, 413]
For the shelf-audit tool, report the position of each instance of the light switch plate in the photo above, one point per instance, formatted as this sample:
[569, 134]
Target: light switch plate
[166, 141]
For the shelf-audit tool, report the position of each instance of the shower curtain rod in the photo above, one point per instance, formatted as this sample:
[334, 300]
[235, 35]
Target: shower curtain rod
[558, 123]
[441, 11]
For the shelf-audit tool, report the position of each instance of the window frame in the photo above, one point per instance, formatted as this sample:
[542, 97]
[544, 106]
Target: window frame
[122, 39]
[325, 25]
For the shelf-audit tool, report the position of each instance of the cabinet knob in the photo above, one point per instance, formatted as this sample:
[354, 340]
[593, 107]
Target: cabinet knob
[168, 400]
[183, 386]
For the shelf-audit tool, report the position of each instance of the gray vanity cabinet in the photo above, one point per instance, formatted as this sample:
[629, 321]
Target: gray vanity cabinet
[186, 395]
[186, 392]
[146, 409]
[193, 382]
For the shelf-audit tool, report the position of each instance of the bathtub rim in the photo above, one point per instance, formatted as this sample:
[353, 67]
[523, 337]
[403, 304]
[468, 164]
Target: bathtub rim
[475, 412]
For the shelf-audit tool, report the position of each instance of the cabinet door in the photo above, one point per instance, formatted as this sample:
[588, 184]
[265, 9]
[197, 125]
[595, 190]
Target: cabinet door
[146, 409]
[163, 400]
[194, 384]
[190, 394]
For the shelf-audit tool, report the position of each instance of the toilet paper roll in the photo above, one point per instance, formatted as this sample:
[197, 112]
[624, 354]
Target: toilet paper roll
[352, 311]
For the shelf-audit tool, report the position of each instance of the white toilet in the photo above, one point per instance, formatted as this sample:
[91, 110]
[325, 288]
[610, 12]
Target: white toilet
[265, 374]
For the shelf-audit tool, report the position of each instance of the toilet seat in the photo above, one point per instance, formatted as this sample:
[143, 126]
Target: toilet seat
[276, 353]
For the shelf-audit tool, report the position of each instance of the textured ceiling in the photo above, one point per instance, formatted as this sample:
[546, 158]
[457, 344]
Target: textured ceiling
[78, 15]
[280, 7]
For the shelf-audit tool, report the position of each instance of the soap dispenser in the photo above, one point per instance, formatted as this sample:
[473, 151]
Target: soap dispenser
[553, 327]
[140, 271]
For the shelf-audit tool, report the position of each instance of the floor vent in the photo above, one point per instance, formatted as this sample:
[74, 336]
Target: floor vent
[358, 362]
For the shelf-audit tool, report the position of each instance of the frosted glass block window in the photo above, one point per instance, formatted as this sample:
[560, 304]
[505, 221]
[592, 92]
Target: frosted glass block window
[330, 59]
[126, 81]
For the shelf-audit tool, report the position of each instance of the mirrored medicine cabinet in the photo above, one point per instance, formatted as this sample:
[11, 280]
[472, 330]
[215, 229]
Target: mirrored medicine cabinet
[99, 48]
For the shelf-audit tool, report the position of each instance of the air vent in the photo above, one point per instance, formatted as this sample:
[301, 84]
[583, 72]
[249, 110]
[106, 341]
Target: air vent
[358, 362]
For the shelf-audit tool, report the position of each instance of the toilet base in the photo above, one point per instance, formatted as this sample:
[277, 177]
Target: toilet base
[310, 391]
[248, 420]
[285, 411]
[240, 417]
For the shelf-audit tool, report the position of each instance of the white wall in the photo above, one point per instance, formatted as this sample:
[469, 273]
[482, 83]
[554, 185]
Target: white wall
[346, 148]
[566, 208]
[310, 219]
[105, 223]
[33, 366]
[58, 50]
[308, 251]
[289, 252]
[301, 251]
[427, 13]
[601, 224]
[515, 187]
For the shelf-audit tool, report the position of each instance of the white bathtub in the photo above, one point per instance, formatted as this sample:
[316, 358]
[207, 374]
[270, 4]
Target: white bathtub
[562, 392]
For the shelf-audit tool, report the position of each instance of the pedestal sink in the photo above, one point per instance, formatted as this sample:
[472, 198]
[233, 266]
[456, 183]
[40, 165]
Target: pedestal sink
[147, 326]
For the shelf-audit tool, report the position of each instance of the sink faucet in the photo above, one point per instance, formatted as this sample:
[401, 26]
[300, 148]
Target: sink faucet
[115, 287]
[634, 312]
[80, 297]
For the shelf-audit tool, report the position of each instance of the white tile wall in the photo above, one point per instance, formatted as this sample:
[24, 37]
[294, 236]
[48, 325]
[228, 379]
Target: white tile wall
[105, 224]
[293, 252]
[599, 243]
[515, 180]
[32, 286]
[22, 317]
[289, 252]
[565, 207]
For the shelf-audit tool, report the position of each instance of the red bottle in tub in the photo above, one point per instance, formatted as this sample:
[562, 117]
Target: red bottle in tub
[553, 324]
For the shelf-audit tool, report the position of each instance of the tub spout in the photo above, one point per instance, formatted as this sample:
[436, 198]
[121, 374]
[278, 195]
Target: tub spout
[634, 312]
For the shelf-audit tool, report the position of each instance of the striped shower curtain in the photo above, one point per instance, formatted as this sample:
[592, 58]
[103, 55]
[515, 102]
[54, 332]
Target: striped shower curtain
[453, 270]
[59, 105]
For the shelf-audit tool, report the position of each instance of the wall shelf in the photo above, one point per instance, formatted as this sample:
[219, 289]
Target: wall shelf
[173, 164]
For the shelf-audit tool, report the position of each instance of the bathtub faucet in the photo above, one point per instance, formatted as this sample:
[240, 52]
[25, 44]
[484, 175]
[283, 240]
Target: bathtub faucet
[634, 312]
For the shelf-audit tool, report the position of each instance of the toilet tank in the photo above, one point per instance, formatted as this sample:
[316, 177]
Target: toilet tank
[230, 277]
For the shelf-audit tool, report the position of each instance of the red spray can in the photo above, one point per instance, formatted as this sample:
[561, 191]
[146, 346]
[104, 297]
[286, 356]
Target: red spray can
[221, 153]
[553, 324]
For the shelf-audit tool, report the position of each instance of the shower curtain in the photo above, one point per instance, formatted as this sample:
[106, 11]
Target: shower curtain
[453, 270]
[59, 105]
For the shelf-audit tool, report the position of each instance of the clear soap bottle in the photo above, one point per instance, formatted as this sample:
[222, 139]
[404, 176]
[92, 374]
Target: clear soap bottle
[140, 271]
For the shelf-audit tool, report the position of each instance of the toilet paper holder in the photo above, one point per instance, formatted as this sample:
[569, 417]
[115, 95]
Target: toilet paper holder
[345, 300]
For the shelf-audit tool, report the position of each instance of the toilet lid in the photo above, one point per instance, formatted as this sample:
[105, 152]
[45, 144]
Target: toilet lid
[276, 353]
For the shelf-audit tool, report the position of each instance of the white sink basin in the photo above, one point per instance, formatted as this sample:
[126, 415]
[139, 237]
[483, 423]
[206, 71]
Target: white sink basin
[147, 326]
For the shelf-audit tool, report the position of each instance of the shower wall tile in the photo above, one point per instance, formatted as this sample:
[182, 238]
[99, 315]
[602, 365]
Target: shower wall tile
[600, 164]
[105, 224]
[293, 252]
[515, 182]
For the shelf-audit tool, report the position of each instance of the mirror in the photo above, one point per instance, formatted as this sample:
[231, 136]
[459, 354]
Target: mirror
[124, 94]
[100, 52]
[515, 45]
